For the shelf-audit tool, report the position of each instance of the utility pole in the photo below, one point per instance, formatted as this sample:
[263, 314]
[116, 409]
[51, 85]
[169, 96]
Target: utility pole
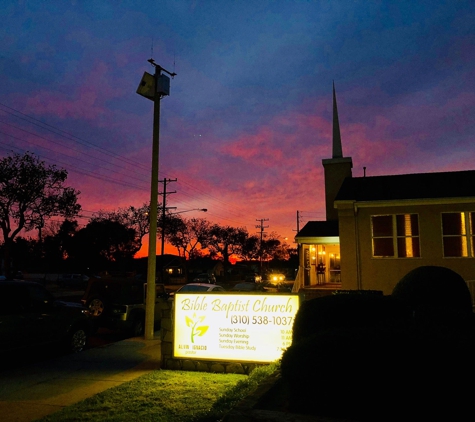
[164, 209]
[261, 227]
[153, 88]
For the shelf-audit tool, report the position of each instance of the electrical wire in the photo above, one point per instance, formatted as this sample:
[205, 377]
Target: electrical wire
[217, 202]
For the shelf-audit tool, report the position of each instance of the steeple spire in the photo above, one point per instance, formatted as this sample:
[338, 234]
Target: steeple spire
[336, 168]
[337, 149]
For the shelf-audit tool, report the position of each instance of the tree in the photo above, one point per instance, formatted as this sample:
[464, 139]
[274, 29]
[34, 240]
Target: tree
[65, 235]
[225, 241]
[101, 243]
[132, 218]
[251, 249]
[270, 248]
[176, 232]
[274, 248]
[187, 235]
[30, 193]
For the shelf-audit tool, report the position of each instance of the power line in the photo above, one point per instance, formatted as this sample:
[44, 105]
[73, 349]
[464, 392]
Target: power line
[68, 156]
[218, 203]
[72, 137]
[82, 172]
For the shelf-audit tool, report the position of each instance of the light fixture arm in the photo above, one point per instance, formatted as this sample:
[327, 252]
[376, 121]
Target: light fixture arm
[194, 209]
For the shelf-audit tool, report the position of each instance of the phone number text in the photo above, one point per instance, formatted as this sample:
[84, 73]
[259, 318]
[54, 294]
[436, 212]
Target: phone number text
[261, 320]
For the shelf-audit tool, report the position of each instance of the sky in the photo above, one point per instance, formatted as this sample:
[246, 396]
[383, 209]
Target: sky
[249, 117]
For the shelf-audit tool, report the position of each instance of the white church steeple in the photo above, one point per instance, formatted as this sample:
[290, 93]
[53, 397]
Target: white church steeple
[337, 168]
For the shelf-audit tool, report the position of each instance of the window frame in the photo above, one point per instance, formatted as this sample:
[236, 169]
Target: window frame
[396, 237]
[468, 235]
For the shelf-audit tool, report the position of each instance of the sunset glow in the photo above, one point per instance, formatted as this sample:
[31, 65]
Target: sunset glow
[249, 116]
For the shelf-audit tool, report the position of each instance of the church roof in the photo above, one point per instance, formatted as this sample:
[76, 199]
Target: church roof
[456, 184]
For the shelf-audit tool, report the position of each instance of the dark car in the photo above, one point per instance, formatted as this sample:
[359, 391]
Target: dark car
[119, 303]
[31, 317]
[73, 281]
[205, 278]
[247, 286]
[200, 287]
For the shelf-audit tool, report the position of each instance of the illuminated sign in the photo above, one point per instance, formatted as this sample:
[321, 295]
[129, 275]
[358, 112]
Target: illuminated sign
[243, 327]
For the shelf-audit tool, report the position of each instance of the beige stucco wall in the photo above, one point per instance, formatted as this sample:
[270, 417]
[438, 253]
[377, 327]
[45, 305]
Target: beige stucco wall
[361, 271]
[348, 248]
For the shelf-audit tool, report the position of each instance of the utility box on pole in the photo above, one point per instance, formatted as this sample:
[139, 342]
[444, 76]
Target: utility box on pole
[147, 86]
[163, 85]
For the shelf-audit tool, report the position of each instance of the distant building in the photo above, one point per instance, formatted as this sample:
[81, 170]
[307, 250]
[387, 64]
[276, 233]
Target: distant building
[379, 228]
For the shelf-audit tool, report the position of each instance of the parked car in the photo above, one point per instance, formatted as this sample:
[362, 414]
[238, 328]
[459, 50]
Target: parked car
[119, 303]
[205, 278]
[31, 317]
[76, 281]
[246, 287]
[200, 287]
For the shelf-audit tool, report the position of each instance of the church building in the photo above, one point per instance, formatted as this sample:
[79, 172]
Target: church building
[379, 228]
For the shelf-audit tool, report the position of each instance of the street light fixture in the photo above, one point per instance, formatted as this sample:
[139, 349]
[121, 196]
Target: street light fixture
[194, 209]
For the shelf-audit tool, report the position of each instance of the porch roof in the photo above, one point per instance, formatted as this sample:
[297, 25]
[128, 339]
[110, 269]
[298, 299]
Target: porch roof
[319, 232]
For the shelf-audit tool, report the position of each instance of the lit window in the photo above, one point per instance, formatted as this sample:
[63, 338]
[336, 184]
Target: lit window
[395, 236]
[457, 234]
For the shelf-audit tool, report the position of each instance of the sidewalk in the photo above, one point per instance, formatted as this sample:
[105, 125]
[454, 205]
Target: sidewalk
[32, 391]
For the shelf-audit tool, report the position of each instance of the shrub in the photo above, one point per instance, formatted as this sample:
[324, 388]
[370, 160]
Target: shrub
[346, 311]
[368, 357]
[434, 287]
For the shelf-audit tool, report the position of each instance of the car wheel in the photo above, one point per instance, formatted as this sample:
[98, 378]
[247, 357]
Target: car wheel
[138, 327]
[96, 307]
[77, 340]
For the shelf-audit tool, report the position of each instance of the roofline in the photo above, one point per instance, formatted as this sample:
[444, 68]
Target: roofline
[404, 202]
[429, 173]
[321, 240]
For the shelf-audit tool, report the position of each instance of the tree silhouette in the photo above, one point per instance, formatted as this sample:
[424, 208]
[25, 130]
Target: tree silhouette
[187, 235]
[101, 243]
[225, 241]
[132, 218]
[30, 193]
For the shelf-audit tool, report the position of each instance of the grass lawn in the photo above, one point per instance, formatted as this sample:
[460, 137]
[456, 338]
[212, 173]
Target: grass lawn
[167, 396]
